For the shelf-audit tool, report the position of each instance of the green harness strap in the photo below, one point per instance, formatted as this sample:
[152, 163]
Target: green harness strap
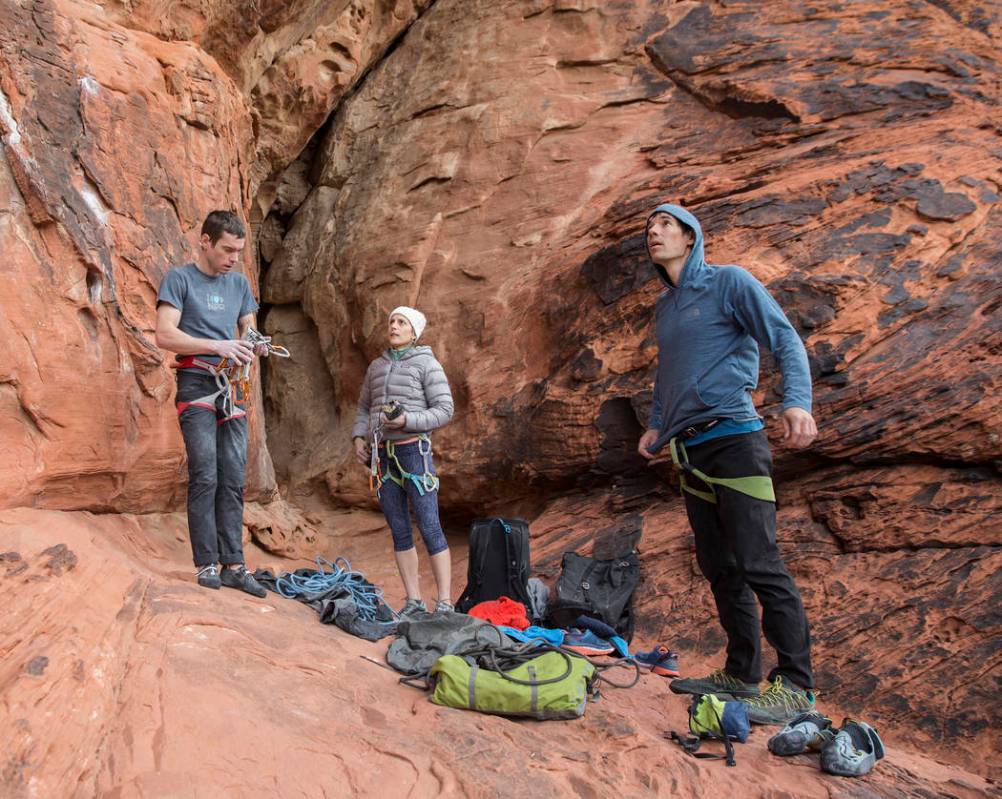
[425, 483]
[757, 486]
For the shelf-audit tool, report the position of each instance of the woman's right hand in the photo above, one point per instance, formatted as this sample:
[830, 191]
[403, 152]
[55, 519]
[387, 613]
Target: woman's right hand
[361, 451]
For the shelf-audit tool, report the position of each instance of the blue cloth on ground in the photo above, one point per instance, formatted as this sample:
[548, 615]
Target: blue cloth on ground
[555, 637]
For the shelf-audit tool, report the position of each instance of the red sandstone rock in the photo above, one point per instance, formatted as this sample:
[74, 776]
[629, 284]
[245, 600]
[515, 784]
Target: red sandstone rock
[841, 154]
[281, 529]
[494, 169]
[116, 145]
[449, 182]
[292, 61]
[122, 677]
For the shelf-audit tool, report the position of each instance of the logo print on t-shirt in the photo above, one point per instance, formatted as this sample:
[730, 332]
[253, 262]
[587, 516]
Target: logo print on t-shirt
[215, 302]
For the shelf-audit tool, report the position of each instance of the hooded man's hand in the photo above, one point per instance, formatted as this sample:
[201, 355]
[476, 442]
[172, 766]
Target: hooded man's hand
[646, 442]
[799, 428]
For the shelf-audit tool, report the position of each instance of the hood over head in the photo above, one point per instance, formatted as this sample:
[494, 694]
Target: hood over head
[695, 262]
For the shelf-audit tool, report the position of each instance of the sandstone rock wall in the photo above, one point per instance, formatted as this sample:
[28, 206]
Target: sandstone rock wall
[496, 171]
[115, 146]
[122, 126]
[846, 156]
[493, 163]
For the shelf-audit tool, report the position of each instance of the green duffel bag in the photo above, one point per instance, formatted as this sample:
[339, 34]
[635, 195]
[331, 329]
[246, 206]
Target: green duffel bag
[554, 685]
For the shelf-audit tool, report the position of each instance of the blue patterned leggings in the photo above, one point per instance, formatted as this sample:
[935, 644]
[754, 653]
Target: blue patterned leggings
[397, 502]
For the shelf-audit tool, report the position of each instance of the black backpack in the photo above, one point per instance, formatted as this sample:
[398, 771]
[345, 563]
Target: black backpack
[499, 563]
[602, 589]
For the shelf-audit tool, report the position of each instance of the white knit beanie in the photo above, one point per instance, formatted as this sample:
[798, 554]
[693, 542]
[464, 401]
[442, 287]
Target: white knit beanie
[414, 316]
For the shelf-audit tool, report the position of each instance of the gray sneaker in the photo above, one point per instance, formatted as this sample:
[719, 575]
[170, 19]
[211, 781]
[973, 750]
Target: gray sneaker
[243, 580]
[412, 607]
[444, 606]
[853, 751]
[208, 576]
[780, 703]
[718, 683]
[808, 731]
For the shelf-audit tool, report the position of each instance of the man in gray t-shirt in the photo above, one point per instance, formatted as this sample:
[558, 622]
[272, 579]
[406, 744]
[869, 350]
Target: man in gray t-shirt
[211, 305]
[203, 310]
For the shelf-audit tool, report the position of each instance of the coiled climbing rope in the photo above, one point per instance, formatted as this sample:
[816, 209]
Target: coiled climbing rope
[365, 595]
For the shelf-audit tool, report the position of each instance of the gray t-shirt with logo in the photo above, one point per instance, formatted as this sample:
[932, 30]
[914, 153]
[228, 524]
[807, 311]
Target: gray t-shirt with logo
[209, 306]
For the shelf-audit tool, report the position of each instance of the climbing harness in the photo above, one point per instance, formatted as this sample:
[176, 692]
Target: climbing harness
[756, 486]
[366, 596]
[232, 378]
[424, 483]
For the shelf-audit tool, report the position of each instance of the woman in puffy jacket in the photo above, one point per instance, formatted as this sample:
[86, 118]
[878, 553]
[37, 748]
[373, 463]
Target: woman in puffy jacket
[404, 474]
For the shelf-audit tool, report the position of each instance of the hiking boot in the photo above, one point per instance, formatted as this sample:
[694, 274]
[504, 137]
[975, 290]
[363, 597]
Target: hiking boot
[809, 730]
[660, 661]
[780, 703]
[412, 607]
[208, 576]
[243, 580]
[585, 642]
[444, 606]
[719, 683]
[853, 751]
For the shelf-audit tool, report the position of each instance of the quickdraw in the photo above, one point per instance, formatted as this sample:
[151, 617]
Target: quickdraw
[232, 378]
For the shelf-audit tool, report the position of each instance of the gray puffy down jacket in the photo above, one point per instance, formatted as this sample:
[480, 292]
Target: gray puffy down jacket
[417, 381]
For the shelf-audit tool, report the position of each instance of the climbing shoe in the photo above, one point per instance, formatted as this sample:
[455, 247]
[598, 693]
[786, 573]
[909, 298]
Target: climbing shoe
[444, 606]
[853, 751]
[660, 661]
[780, 703]
[585, 642]
[412, 607]
[242, 580]
[208, 576]
[719, 683]
[808, 731]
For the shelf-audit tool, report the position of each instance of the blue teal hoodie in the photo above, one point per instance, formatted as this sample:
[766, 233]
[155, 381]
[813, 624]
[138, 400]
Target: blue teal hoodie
[708, 329]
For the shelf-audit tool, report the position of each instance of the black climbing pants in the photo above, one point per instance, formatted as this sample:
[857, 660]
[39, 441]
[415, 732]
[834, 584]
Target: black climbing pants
[217, 460]
[736, 551]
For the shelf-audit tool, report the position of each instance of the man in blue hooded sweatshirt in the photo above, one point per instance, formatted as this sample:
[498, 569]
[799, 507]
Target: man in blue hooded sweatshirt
[709, 323]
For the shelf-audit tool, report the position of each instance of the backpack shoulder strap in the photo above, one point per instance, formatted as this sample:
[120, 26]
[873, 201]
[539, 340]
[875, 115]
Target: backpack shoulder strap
[475, 571]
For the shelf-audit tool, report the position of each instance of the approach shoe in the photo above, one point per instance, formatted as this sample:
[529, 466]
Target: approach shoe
[659, 660]
[585, 642]
[208, 576]
[853, 751]
[808, 731]
[780, 703]
[444, 606]
[412, 607]
[243, 580]
[719, 683]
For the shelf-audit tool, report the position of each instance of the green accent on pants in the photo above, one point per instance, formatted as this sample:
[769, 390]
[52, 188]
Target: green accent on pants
[756, 486]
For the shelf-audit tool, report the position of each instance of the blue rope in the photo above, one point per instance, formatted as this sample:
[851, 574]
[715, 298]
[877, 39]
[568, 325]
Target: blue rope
[367, 597]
